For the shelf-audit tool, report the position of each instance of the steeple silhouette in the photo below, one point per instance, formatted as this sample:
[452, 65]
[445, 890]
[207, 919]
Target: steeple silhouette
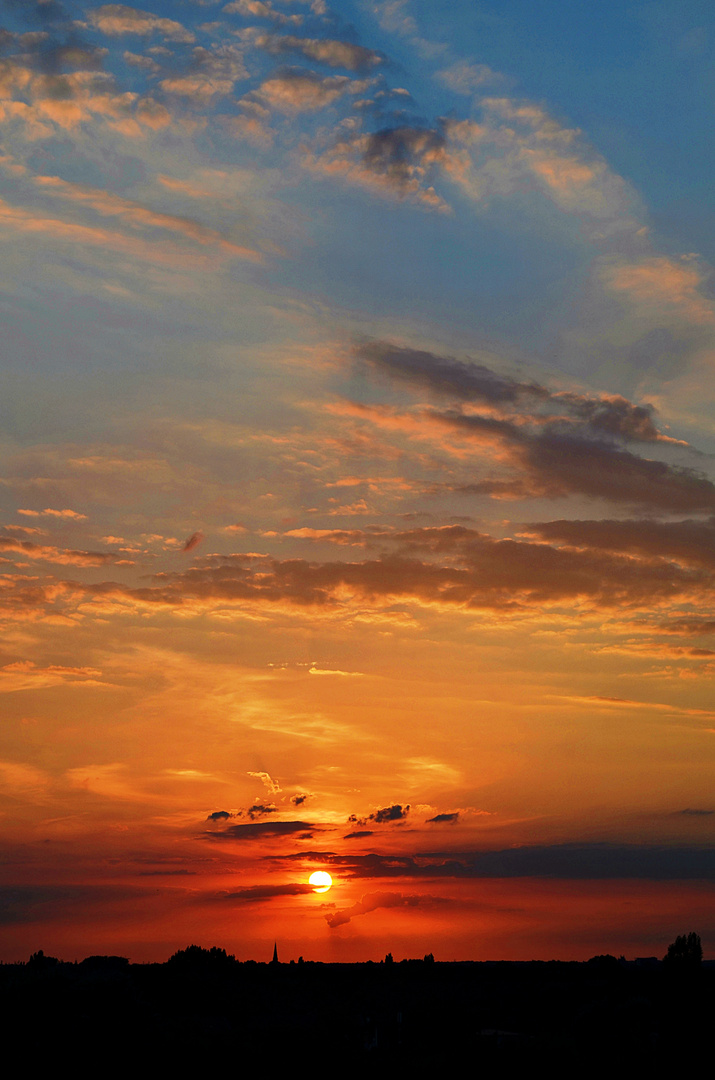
[275, 953]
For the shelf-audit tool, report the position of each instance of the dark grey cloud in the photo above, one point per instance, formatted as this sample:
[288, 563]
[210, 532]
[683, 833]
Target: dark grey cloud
[689, 812]
[444, 819]
[690, 542]
[396, 812]
[260, 810]
[444, 375]
[565, 861]
[386, 815]
[298, 800]
[550, 443]
[293, 856]
[264, 830]
[258, 893]
[574, 465]
[557, 463]
[219, 815]
[606, 414]
[397, 154]
[358, 835]
[692, 627]
[56, 47]
[614, 415]
[474, 571]
[166, 873]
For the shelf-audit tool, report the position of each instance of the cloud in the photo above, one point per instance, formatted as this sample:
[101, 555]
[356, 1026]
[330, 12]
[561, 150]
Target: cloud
[29, 223]
[20, 779]
[213, 73]
[446, 376]
[444, 819]
[359, 835]
[167, 873]
[465, 77]
[662, 286]
[386, 815]
[118, 19]
[298, 800]
[562, 464]
[691, 543]
[268, 782]
[479, 572]
[69, 514]
[324, 51]
[697, 813]
[390, 813]
[219, 815]
[107, 204]
[58, 45]
[293, 90]
[37, 104]
[258, 893]
[193, 541]
[400, 154]
[144, 63]
[24, 530]
[395, 162]
[371, 902]
[64, 556]
[262, 9]
[552, 462]
[605, 414]
[570, 861]
[265, 830]
[516, 146]
[691, 626]
[260, 810]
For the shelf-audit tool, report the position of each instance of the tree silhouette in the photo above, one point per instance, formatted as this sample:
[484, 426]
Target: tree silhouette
[195, 956]
[40, 962]
[686, 950]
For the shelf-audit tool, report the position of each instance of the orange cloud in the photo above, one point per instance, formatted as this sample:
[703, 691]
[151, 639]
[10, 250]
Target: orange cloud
[297, 90]
[28, 222]
[118, 19]
[69, 514]
[25, 675]
[30, 550]
[110, 205]
[663, 284]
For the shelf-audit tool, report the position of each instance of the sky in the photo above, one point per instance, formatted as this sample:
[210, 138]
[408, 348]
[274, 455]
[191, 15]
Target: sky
[357, 491]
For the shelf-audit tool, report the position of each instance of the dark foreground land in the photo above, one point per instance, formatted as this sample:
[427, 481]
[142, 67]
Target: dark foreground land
[204, 1010]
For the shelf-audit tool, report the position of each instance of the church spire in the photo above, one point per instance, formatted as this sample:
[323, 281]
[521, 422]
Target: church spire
[275, 952]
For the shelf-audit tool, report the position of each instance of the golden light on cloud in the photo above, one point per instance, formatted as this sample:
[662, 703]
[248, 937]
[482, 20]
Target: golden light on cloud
[321, 881]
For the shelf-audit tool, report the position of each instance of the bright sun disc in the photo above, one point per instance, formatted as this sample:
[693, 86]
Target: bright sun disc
[320, 880]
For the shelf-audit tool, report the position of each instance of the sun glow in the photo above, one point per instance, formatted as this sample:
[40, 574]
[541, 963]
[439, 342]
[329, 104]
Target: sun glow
[320, 880]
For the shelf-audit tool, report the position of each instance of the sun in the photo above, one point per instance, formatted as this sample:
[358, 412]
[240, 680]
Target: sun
[320, 880]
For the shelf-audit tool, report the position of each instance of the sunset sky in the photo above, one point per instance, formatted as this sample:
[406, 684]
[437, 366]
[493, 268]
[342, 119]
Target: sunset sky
[358, 489]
